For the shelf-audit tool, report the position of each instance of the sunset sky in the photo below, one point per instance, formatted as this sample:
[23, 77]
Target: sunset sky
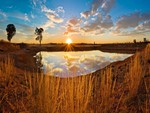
[100, 21]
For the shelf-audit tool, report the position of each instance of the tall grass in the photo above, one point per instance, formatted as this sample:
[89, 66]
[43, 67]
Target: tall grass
[139, 82]
[101, 92]
[57, 95]
[12, 90]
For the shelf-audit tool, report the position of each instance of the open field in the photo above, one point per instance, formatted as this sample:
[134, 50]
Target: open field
[120, 87]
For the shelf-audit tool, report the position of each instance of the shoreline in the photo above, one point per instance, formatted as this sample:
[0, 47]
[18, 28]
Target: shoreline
[22, 54]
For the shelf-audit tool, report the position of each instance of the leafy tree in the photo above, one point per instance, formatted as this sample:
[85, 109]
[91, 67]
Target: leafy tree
[38, 32]
[11, 31]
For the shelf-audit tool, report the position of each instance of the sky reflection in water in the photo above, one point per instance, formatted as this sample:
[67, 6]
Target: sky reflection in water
[68, 64]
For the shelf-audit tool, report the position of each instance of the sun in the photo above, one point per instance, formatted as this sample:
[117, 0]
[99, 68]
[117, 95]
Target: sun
[68, 41]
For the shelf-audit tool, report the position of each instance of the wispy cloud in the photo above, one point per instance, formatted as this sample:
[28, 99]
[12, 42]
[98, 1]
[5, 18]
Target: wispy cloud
[137, 22]
[85, 14]
[132, 20]
[104, 6]
[128, 21]
[107, 5]
[144, 26]
[97, 26]
[48, 24]
[95, 5]
[35, 3]
[74, 22]
[15, 14]
[97, 20]
[19, 15]
[73, 26]
[60, 9]
[25, 28]
[46, 10]
[32, 15]
[53, 17]
[3, 14]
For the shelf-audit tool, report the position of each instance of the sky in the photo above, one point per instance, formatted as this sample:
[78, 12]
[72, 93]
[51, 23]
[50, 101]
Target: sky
[83, 21]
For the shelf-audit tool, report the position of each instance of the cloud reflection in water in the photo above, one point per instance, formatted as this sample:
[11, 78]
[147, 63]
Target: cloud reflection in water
[68, 64]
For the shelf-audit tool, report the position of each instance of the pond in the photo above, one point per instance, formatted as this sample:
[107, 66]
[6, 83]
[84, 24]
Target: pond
[69, 64]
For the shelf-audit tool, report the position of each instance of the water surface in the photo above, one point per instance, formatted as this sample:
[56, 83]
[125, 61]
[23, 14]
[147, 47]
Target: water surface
[68, 64]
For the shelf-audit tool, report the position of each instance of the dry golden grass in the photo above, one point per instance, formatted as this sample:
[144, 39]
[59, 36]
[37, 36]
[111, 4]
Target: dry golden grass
[100, 92]
[57, 95]
[139, 82]
[7, 46]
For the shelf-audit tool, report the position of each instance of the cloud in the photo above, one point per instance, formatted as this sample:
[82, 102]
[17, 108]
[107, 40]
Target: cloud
[71, 58]
[133, 32]
[107, 22]
[77, 63]
[19, 15]
[145, 16]
[144, 26]
[138, 22]
[48, 24]
[36, 2]
[103, 5]
[73, 26]
[96, 23]
[94, 62]
[22, 16]
[86, 23]
[15, 14]
[107, 5]
[57, 71]
[95, 5]
[70, 30]
[74, 22]
[128, 21]
[53, 17]
[99, 25]
[25, 28]
[74, 68]
[60, 9]
[32, 15]
[132, 20]
[45, 9]
[25, 17]
[85, 14]
[3, 14]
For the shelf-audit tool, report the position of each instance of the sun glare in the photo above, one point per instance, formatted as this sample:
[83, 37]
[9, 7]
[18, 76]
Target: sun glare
[68, 41]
